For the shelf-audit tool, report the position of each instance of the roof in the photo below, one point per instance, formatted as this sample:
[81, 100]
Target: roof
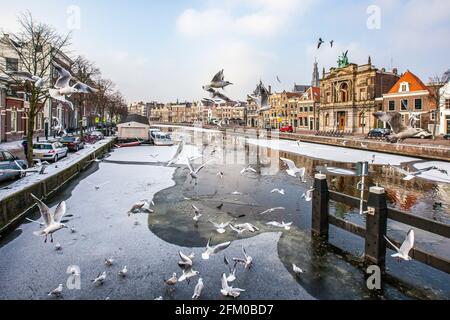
[313, 94]
[136, 118]
[301, 88]
[415, 84]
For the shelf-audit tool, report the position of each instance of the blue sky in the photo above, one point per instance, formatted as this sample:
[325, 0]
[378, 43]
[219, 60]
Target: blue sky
[166, 50]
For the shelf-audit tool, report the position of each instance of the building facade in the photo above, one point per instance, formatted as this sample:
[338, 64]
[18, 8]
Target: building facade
[351, 94]
[444, 108]
[410, 96]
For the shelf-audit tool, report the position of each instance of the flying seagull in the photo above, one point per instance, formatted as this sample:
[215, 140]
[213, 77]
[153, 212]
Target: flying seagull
[286, 226]
[220, 227]
[406, 247]
[177, 154]
[194, 173]
[232, 276]
[52, 220]
[278, 79]
[218, 82]
[319, 43]
[332, 43]
[280, 191]
[219, 95]
[228, 291]
[308, 195]
[187, 274]
[247, 261]
[412, 175]
[248, 169]
[186, 261]
[400, 131]
[247, 226]
[214, 250]
[273, 210]
[293, 170]
[198, 289]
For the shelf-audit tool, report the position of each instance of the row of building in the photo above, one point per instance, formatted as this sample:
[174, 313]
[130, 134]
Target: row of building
[14, 101]
[343, 99]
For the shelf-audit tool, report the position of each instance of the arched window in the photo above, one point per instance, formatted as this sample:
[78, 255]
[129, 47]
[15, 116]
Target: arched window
[362, 119]
[327, 120]
[343, 92]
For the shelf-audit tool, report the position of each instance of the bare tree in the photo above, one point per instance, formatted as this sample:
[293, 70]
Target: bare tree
[36, 46]
[436, 83]
[86, 72]
[105, 88]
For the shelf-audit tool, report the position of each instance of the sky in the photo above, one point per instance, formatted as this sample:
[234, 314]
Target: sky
[167, 50]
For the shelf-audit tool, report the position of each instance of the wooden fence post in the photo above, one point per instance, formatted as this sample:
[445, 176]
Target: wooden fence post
[320, 207]
[376, 227]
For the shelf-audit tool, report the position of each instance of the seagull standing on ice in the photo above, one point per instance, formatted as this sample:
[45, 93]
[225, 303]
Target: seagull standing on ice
[109, 262]
[228, 291]
[124, 272]
[57, 292]
[298, 272]
[404, 250]
[197, 215]
[293, 170]
[97, 186]
[198, 289]
[232, 277]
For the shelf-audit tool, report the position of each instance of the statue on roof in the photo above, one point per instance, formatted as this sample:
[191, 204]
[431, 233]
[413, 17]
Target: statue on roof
[343, 60]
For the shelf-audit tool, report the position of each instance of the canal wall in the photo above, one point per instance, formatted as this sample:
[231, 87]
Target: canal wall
[15, 205]
[428, 152]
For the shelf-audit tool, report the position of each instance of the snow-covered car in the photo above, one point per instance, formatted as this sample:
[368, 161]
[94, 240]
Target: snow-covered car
[98, 135]
[423, 135]
[9, 166]
[73, 143]
[49, 151]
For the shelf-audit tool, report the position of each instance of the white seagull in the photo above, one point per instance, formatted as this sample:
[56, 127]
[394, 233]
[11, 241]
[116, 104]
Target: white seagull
[308, 195]
[218, 82]
[247, 261]
[297, 270]
[404, 250]
[220, 227]
[52, 221]
[26, 76]
[141, 206]
[273, 210]
[210, 251]
[57, 292]
[247, 226]
[194, 173]
[248, 169]
[228, 291]
[232, 276]
[100, 279]
[109, 262]
[198, 289]
[197, 214]
[293, 170]
[124, 272]
[286, 226]
[280, 191]
[97, 186]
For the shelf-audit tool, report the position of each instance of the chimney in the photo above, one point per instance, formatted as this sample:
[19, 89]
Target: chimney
[270, 89]
[395, 71]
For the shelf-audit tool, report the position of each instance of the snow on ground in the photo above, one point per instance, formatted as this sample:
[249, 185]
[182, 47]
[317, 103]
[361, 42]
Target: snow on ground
[331, 153]
[54, 168]
[187, 128]
[435, 175]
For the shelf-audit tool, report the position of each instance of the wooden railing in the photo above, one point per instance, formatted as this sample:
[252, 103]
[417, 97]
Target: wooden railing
[375, 230]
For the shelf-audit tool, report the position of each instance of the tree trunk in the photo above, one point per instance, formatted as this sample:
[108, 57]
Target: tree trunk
[30, 134]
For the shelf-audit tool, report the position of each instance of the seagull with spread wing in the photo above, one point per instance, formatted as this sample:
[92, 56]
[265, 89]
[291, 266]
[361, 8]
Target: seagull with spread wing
[194, 173]
[406, 247]
[228, 291]
[213, 250]
[293, 171]
[218, 82]
[52, 220]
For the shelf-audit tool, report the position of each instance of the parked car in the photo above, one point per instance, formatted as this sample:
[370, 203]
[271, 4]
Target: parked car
[10, 162]
[379, 133]
[73, 143]
[98, 135]
[447, 136]
[423, 135]
[287, 129]
[49, 151]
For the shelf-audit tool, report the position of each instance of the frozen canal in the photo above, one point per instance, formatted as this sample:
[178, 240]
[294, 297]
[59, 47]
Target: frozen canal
[148, 244]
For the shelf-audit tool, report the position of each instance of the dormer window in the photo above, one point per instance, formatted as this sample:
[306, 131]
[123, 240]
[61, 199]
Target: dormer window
[404, 87]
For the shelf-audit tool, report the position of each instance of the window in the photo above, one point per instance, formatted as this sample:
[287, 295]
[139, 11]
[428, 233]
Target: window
[447, 103]
[404, 87]
[392, 105]
[327, 120]
[362, 94]
[12, 64]
[13, 121]
[362, 119]
[404, 105]
[8, 156]
[301, 122]
[418, 104]
[311, 109]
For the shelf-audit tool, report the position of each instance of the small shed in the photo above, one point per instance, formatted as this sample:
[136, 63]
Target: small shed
[135, 126]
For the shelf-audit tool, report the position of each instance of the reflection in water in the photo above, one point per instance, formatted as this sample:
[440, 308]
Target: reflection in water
[328, 275]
